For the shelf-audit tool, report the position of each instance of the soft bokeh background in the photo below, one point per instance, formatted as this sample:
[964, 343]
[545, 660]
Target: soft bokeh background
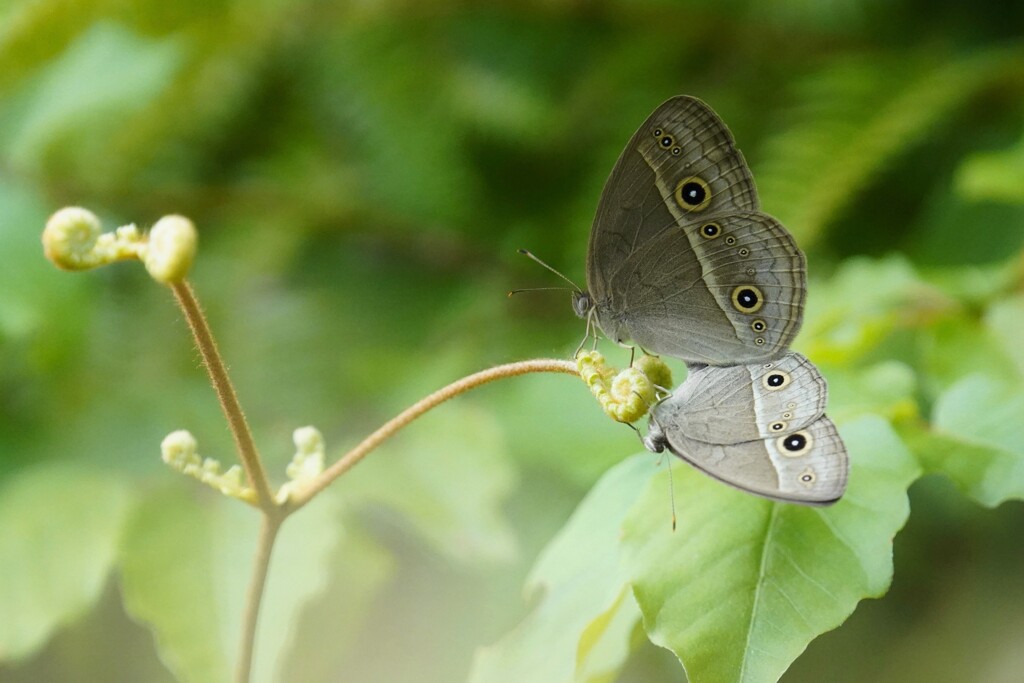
[362, 174]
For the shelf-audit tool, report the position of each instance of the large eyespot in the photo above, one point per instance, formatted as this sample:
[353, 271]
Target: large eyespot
[666, 141]
[777, 427]
[796, 444]
[747, 299]
[710, 230]
[775, 380]
[693, 194]
[808, 477]
[759, 325]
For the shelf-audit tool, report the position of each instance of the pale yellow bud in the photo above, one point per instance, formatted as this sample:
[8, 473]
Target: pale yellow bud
[170, 249]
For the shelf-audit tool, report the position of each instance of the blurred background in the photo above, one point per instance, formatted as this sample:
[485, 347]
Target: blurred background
[361, 174]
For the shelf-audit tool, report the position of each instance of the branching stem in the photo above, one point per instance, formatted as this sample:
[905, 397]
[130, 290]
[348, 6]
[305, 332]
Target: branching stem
[274, 514]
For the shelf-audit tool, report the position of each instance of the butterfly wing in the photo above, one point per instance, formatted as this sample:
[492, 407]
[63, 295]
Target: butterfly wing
[680, 260]
[759, 427]
[734, 297]
[632, 210]
[808, 466]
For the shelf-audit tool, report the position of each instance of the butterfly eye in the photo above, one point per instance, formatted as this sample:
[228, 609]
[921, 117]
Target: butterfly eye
[808, 477]
[775, 380]
[796, 444]
[693, 194]
[710, 230]
[777, 426]
[759, 325]
[747, 299]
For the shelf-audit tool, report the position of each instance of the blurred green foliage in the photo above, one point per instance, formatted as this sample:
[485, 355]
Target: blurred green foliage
[361, 174]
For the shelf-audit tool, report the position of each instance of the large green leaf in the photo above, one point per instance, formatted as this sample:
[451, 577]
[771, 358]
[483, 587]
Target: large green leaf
[977, 438]
[182, 552]
[59, 527]
[853, 312]
[577, 629]
[744, 584]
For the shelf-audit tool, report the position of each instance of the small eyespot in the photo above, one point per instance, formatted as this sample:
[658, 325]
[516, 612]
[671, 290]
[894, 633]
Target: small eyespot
[791, 405]
[751, 272]
[667, 141]
[768, 366]
[808, 477]
[775, 380]
[747, 299]
[777, 426]
[676, 151]
[730, 240]
[759, 325]
[744, 252]
[794, 445]
[710, 230]
[658, 132]
[786, 416]
[759, 341]
[693, 194]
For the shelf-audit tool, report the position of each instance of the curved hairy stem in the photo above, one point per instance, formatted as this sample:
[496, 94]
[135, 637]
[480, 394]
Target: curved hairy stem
[389, 428]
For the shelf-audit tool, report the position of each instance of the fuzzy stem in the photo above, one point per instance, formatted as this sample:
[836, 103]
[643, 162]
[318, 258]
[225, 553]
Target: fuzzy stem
[388, 429]
[269, 527]
[225, 394]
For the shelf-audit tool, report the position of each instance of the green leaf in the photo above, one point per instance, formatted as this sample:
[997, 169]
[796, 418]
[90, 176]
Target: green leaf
[59, 527]
[71, 110]
[861, 305]
[744, 584]
[1005, 321]
[993, 176]
[977, 438]
[167, 563]
[887, 388]
[576, 630]
[448, 474]
[180, 552]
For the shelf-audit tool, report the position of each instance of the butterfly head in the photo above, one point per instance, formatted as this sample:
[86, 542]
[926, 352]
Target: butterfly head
[582, 303]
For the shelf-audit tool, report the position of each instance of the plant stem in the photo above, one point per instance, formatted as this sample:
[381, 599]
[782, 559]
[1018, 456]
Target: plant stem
[269, 527]
[226, 395]
[388, 429]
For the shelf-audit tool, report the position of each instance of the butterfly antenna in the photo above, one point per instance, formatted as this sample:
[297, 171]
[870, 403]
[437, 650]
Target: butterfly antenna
[539, 289]
[530, 254]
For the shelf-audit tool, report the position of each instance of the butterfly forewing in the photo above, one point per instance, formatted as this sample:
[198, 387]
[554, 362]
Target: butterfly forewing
[680, 260]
